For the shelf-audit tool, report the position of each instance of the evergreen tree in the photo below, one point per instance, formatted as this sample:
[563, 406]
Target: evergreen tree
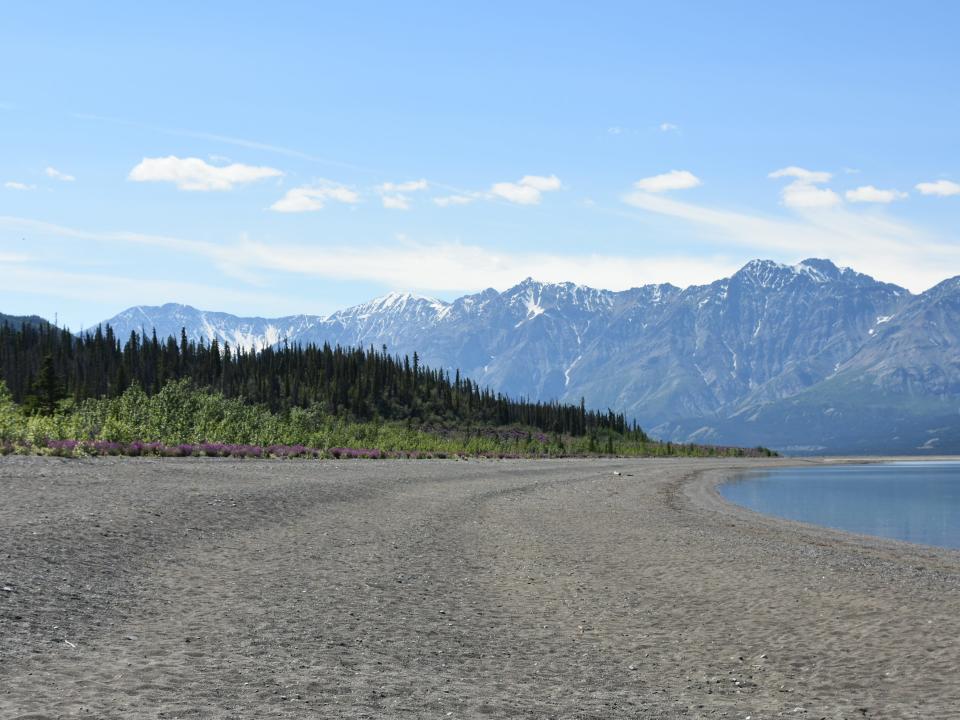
[45, 363]
[47, 389]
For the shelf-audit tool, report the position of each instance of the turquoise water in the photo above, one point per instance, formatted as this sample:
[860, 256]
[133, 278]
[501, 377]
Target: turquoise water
[914, 501]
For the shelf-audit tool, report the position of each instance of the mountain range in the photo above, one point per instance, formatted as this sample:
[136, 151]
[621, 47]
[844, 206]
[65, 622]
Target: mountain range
[805, 358]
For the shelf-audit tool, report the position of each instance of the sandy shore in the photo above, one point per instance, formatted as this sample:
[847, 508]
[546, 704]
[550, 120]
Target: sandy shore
[239, 589]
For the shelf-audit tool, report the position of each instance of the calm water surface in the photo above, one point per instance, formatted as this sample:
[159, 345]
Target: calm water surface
[913, 501]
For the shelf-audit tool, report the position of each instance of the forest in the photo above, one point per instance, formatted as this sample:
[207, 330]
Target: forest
[175, 392]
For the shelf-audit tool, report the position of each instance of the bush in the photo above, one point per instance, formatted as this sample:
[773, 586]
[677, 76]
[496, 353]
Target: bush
[181, 421]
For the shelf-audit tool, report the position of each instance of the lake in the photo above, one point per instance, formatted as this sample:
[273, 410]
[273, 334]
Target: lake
[914, 501]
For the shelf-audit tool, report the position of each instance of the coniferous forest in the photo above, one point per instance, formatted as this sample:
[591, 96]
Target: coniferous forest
[72, 388]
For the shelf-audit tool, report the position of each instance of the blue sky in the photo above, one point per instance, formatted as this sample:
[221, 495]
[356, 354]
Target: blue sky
[280, 158]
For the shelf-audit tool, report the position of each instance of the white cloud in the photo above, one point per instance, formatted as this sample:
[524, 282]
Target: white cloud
[802, 192]
[14, 185]
[409, 186]
[941, 188]
[668, 127]
[877, 245]
[870, 194]
[528, 191]
[392, 194]
[615, 130]
[57, 175]
[519, 194]
[541, 183]
[453, 200]
[396, 202]
[673, 180]
[311, 198]
[196, 174]
[803, 195]
[807, 176]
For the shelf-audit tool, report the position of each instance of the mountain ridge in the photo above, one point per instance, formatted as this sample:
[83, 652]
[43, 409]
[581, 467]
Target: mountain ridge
[721, 362]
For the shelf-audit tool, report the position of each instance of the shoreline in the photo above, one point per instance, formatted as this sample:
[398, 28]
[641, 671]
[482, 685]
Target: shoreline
[222, 588]
[704, 493]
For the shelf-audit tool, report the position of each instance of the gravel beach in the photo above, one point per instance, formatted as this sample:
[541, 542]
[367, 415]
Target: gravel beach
[208, 588]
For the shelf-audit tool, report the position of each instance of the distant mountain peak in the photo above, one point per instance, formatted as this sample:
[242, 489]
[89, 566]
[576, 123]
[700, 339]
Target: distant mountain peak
[944, 288]
[769, 273]
[396, 296]
[819, 270]
[821, 264]
[401, 299]
[395, 303]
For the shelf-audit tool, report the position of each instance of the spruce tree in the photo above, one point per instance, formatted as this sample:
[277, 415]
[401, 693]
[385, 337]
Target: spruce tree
[47, 388]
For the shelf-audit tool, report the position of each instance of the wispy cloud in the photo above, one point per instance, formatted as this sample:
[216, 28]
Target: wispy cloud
[219, 255]
[196, 174]
[526, 191]
[52, 172]
[456, 266]
[940, 188]
[885, 248]
[801, 175]
[14, 185]
[396, 202]
[118, 290]
[166, 242]
[393, 195]
[803, 191]
[673, 180]
[441, 266]
[230, 140]
[669, 127]
[448, 200]
[310, 198]
[870, 194]
[404, 187]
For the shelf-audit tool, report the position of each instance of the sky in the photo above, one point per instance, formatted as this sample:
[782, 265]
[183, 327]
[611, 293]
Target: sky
[280, 158]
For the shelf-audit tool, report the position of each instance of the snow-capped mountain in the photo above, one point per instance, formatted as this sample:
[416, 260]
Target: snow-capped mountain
[806, 356]
[391, 320]
[250, 333]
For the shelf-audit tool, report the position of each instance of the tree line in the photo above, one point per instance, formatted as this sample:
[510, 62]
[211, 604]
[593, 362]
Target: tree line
[42, 364]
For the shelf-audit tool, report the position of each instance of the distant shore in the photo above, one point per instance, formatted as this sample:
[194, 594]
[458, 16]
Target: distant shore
[140, 587]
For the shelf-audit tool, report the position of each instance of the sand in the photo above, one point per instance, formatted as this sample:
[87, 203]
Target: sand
[139, 588]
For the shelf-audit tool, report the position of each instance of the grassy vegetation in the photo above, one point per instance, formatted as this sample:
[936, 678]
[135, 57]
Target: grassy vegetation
[182, 420]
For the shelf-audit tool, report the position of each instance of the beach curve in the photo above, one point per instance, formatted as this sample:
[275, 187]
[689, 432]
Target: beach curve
[587, 588]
